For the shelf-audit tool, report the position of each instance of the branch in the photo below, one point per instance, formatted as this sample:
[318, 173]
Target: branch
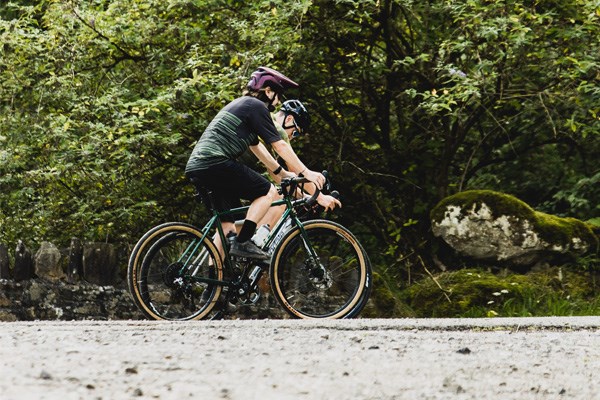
[126, 54]
[381, 175]
[548, 114]
[444, 291]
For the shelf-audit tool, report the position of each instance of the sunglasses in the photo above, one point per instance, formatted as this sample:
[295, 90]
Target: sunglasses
[297, 131]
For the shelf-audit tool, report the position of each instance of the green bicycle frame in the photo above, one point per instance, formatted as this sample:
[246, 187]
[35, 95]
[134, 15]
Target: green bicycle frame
[192, 249]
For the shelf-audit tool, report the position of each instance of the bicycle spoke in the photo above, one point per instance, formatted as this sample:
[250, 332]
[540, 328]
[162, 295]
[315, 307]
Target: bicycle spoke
[326, 286]
[164, 285]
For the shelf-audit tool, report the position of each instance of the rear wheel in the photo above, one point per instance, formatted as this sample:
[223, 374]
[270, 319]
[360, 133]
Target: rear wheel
[331, 281]
[173, 274]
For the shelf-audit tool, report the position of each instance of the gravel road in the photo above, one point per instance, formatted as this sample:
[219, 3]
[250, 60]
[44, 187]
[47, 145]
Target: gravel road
[533, 358]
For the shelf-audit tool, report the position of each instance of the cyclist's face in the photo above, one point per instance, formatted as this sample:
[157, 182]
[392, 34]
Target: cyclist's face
[272, 96]
[291, 128]
[297, 131]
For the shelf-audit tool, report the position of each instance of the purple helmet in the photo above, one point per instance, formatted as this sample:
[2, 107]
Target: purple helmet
[263, 77]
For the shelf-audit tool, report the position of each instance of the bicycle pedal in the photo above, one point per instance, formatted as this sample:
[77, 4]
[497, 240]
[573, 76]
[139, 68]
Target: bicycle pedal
[254, 297]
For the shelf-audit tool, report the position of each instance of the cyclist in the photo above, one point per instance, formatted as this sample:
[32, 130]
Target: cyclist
[293, 120]
[213, 163]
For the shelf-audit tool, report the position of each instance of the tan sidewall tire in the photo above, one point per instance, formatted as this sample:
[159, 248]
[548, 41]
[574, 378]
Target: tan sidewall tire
[277, 259]
[133, 269]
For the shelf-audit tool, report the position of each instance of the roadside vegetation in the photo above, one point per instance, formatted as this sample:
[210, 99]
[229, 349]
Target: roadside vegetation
[101, 102]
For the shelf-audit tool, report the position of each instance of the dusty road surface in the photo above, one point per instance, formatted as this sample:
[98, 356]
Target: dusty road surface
[548, 358]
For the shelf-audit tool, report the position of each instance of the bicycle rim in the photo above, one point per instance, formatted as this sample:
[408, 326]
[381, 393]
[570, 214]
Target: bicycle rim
[366, 293]
[331, 286]
[167, 270]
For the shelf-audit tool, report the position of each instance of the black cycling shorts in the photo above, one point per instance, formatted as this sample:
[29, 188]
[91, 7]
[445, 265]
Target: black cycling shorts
[229, 182]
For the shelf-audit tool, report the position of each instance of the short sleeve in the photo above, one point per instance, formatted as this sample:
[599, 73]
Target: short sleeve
[262, 123]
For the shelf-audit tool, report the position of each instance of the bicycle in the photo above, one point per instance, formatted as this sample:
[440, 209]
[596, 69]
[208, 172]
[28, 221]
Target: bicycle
[318, 268]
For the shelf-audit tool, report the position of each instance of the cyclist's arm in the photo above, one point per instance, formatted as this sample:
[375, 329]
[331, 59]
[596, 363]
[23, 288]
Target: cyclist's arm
[265, 157]
[324, 200]
[295, 165]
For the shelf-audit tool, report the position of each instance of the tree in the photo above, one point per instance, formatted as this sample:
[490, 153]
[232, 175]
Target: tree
[102, 100]
[443, 96]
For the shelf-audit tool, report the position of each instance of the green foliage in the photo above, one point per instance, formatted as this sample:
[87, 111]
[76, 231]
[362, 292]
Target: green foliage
[477, 293]
[385, 301]
[426, 99]
[580, 200]
[102, 100]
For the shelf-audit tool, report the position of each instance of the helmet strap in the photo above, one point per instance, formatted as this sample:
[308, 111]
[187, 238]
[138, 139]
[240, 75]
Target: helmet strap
[285, 115]
[262, 96]
[295, 133]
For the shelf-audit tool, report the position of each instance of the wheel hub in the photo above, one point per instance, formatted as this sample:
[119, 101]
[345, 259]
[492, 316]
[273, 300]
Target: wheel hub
[171, 276]
[319, 275]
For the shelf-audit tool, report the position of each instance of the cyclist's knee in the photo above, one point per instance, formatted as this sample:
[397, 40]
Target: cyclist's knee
[273, 193]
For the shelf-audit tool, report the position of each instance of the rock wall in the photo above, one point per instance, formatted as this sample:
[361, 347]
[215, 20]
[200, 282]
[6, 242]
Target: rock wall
[81, 282]
[41, 299]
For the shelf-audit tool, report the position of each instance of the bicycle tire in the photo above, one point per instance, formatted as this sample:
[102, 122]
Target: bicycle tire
[362, 302]
[154, 274]
[337, 287]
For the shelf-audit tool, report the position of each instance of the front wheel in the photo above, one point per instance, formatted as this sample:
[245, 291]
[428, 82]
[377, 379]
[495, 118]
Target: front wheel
[174, 274]
[320, 271]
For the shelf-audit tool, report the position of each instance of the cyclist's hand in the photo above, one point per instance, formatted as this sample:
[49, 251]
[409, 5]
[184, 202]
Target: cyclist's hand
[286, 174]
[315, 177]
[282, 175]
[328, 202]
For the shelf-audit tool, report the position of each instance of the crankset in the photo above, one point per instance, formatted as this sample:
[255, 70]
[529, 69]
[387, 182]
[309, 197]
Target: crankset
[245, 288]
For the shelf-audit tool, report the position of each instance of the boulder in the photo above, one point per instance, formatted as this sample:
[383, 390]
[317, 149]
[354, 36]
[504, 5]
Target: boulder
[100, 263]
[496, 227]
[23, 263]
[48, 262]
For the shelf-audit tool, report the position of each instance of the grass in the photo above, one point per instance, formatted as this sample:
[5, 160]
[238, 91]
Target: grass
[480, 293]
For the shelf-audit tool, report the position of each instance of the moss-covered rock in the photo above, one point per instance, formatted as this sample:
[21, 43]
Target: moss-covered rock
[493, 226]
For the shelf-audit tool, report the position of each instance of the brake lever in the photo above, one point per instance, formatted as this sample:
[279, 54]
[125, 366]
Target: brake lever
[327, 185]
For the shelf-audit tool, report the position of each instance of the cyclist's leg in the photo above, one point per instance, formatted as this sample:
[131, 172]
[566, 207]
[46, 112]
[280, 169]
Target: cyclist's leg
[213, 179]
[228, 229]
[273, 215]
[243, 246]
[243, 182]
[261, 206]
[234, 180]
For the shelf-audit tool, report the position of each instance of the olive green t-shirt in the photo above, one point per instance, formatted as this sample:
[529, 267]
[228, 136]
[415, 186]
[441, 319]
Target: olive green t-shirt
[237, 126]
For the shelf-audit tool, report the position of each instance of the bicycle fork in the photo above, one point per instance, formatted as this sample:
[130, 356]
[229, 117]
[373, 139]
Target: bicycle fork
[318, 273]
